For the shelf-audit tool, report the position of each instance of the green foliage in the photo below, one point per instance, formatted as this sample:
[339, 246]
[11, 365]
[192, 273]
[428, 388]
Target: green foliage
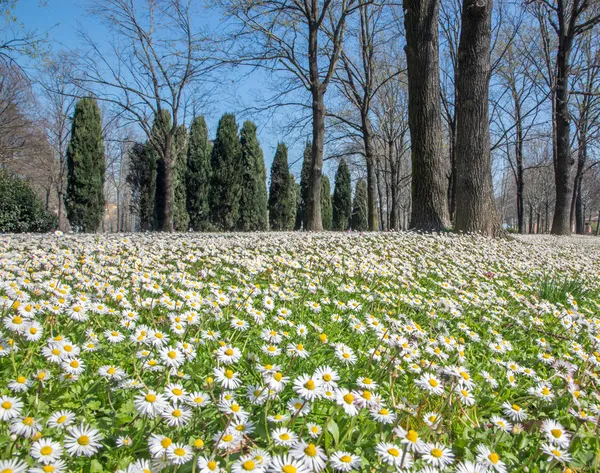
[359, 220]
[326, 206]
[84, 200]
[304, 178]
[226, 175]
[557, 290]
[198, 175]
[181, 219]
[142, 179]
[282, 193]
[253, 198]
[21, 210]
[342, 198]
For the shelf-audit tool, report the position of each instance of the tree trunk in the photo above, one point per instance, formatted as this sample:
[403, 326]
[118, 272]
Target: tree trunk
[452, 178]
[519, 159]
[429, 184]
[475, 206]
[576, 217]
[579, 212]
[313, 202]
[394, 189]
[564, 160]
[371, 177]
[530, 218]
[169, 186]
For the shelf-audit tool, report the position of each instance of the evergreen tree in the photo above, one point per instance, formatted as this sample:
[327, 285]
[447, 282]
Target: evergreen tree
[142, 180]
[360, 219]
[225, 186]
[282, 194]
[181, 219]
[84, 200]
[326, 209]
[253, 198]
[304, 177]
[198, 175]
[342, 198]
[160, 128]
[294, 201]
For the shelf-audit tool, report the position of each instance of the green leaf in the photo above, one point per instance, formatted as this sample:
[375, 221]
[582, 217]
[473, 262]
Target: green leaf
[333, 428]
[96, 467]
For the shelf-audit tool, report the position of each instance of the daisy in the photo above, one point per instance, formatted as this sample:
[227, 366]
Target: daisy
[556, 453]
[57, 467]
[490, 460]
[344, 461]
[150, 404]
[514, 411]
[432, 419]
[171, 356]
[61, 419]
[327, 376]
[284, 437]
[83, 440]
[393, 455]
[347, 400]
[287, 464]
[176, 416]
[556, 433]
[19, 385]
[159, 445]
[277, 381]
[313, 456]
[464, 395]
[308, 388]
[501, 423]
[314, 430]
[247, 463]
[13, 466]
[10, 407]
[73, 366]
[228, 355]
[46, 451]
[430, 383]
[366, 383]
[470, 467]
[197, 399]
[438, 455]
[25, 426]
[411, 439]
[179, 454]
[207, 465]
[175, 393]
[227, 378]
[383, 415]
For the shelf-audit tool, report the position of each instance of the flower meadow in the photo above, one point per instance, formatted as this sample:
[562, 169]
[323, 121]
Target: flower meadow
[298, 353]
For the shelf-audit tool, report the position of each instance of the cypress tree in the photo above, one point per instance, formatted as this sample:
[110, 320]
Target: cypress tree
[181, 219]
[142, 179]
[226, 175]
[282, 194]
[253, 198]
[84, 199]
[326, 209]
[294, 188]
[342, 197]
[160, 128]
[198, 175]
[360, 219]
[304, 177]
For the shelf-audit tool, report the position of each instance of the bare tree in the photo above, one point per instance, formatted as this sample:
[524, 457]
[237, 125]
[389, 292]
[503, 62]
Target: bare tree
[155, 58]
[429, 166]
[304, 39]
[475, 204]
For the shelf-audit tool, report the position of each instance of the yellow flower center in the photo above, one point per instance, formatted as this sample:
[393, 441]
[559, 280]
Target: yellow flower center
[284, 436]
[229, 374]
[436, 452]
[212, 465]
[74, 364]
[393, 452]
[494, 458]
[310, 384]
[176, 413]
[6, 405]
[327, 377]
[28, 421]
[83, 440]
[172, 354]
[166, 442]
[229, 352]
[46, 468]
[433, 383]
[150, 398]
[349, 398]
[47, 450]
[384, 412]
[556, 433]
[228, 438]
[345, 459]
[289, 469]
[412, 436]
[177, 392]
[61, 419]
[179, 452]
[248, 465]
[277, 376]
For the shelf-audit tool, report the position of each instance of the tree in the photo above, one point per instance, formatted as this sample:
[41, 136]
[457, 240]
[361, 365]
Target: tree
[475, 205]
[141, 178]
[429, 186]
[359, 219]
[198, 175]
[304, 40]
[85, 168]
[569, 19]
[301, 215]
[326, 206]
[282, 193]
[342, 198]
[226, 168]
[181, 219]
[154, 58]
[253, 197]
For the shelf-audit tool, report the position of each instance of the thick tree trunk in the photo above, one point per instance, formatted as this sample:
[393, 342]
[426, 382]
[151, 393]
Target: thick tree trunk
[475, 206]
[579, 212]
[519, 160]
[367, 133]
[530, 218]
[394, 188]
[380, 184]
[429, 165]
[313, 202]
[452, 177]
[564, 160]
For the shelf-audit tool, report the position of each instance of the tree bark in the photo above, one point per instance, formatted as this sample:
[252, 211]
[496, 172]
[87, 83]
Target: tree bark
[367, 133]
[429, 184]
[475, 206]
[394, 188]
[169, 185]
[564, 160]
[313, 203]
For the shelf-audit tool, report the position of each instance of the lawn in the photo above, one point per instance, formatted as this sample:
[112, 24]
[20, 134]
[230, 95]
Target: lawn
[296, 353]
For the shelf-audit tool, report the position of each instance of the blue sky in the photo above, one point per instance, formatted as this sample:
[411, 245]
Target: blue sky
[62, 19]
